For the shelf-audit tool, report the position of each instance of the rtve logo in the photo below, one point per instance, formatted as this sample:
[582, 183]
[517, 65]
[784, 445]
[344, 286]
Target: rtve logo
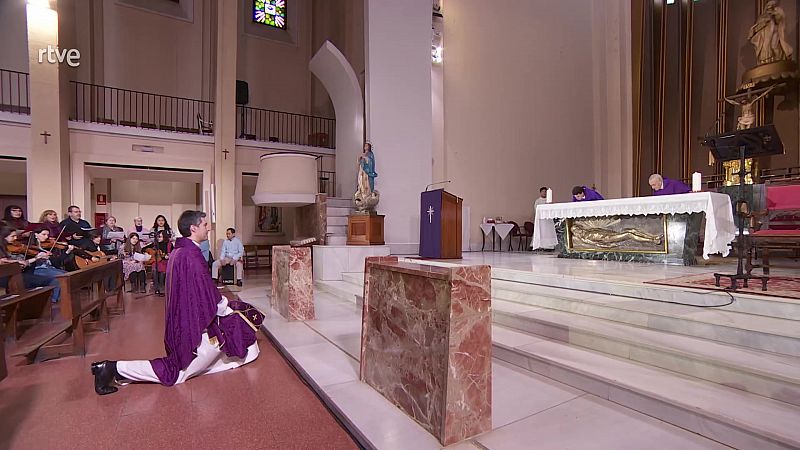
[54, 55]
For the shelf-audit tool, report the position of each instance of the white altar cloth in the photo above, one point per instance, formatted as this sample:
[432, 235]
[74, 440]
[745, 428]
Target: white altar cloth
[720, 228]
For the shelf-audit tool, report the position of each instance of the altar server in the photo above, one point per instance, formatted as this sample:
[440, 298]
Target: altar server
[667, 186]
[585, 194]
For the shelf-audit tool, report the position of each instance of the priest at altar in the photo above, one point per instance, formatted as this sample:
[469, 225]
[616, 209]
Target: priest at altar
[666, 186]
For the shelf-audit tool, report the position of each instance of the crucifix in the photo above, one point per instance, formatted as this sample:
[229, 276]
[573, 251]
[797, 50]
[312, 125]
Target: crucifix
[430, 214]
[226, 153]
[45, 134]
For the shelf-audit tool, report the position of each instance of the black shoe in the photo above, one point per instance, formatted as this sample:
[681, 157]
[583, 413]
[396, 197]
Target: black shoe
[239, 283]
[105, 373]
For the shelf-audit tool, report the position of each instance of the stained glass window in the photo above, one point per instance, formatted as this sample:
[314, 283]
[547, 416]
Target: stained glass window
[270, 12]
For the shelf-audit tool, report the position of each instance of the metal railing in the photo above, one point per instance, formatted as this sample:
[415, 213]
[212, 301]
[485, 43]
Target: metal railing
[327, 182]
[115, 106]
[289, 128]
[15, 92]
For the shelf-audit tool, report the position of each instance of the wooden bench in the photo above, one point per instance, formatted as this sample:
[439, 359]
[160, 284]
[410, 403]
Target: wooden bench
[253, 255]
[83, 295]
[777, 227]
[26, 316]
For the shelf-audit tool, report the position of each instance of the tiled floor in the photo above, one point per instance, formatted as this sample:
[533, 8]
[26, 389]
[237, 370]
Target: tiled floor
[263, 405]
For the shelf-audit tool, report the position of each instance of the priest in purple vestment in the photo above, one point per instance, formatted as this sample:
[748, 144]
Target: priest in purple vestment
[202, 335]
[666, 186]
[585, 194]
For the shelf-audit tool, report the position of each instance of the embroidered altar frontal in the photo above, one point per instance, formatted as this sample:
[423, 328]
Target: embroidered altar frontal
[426, 344]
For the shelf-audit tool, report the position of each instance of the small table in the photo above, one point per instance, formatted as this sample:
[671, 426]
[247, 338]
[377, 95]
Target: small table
[496, 229]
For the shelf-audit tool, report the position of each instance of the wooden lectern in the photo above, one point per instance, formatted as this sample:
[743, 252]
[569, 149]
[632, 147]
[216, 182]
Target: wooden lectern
[440, 225]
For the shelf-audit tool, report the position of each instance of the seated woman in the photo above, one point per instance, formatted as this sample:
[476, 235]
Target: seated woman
[55, 263]
[130, 267]
[49, 219]
[29, 278]
[163, 247]
[15, 218]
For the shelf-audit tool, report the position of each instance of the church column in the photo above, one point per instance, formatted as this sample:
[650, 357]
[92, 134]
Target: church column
[225, 119]
[398, 112]
[48, 162]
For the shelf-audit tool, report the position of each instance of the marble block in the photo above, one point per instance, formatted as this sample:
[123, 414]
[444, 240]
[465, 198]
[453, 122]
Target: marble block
[292, 286]
[426, 344]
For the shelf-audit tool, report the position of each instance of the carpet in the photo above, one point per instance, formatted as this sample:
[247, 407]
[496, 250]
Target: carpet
[778, 286]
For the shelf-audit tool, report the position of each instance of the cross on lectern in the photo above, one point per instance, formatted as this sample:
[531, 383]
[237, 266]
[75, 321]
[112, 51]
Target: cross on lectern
[430, 214]
[226, 153]
[45, 134]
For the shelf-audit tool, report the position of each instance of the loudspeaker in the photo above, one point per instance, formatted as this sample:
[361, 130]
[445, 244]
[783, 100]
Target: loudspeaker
[242, 93]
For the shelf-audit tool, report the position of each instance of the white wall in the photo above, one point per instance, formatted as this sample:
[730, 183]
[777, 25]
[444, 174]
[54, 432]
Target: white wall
[518, 102]
[146, 198]
[13, 36]
[399, 116]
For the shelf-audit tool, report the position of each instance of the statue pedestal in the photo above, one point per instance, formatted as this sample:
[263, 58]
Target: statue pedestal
[365, 229]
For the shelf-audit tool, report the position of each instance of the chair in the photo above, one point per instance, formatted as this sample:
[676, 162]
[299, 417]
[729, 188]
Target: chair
[527, 233]
[515, 233]
[205, 126]
[777, 227]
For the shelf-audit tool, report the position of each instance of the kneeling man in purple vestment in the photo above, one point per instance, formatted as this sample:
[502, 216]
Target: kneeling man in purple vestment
[666, 186]
[202, 334]
[585, 194]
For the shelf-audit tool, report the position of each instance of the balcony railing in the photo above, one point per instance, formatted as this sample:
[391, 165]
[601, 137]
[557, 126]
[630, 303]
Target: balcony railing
[114, 106]
[14, 92]
[290, 128]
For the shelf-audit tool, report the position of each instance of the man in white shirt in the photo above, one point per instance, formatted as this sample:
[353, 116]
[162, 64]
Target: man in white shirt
[231, 254]
[541, 200]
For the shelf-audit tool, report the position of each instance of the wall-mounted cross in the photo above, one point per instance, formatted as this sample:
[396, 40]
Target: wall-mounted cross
[226, 153]
[45, 134]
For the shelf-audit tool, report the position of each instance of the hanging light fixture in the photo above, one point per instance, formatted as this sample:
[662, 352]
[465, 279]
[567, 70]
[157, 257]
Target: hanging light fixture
[286, 179]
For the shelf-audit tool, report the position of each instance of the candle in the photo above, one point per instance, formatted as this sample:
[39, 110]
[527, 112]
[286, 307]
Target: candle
[549, 196]
[697, 182]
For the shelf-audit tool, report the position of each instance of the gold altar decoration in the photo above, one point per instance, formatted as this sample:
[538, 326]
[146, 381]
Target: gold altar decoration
[731, 169]
[621, 234]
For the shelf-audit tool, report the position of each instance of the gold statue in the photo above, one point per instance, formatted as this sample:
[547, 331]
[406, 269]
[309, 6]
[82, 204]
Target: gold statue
[768, 35]
[605, 238]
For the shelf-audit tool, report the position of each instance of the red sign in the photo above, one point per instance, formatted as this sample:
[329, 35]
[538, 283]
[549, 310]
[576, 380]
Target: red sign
[101, 199]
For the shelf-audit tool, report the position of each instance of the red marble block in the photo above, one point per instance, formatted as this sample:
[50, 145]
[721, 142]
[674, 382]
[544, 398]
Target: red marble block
[292, 286]
[426, 344]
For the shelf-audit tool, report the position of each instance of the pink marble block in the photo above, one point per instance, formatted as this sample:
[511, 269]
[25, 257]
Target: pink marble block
[292, 286]
[426, 344]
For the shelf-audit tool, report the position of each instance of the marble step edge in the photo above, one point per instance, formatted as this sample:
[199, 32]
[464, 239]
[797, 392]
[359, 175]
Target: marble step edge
[630, 306]
[650, 399]
[749, 303]
[339, 289]
[753, 379]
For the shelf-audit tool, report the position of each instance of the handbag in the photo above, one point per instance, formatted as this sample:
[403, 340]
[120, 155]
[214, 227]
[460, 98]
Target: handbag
[252, 317]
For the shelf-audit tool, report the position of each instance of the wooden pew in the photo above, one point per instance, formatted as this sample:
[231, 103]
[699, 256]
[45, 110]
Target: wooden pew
[26, 316]
[83, 294]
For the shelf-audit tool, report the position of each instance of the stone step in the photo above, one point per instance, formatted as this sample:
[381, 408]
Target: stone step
[337, 220]
[730, 416]
[340, 289]
[338, 212]
[766, 374]
[354, 278]
[339, 202]
[747, 303]
[339, 230]
[336, 239]
[747, 330]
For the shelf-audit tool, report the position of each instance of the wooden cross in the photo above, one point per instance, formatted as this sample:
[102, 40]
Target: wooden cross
[45, 134]
[226, 153]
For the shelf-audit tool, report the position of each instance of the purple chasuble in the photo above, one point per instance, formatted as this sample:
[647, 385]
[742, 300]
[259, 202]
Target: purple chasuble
[672, 187]
[191, 309]
[590, 194]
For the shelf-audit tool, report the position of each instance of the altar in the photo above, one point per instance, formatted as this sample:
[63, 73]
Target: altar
[660, 229]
